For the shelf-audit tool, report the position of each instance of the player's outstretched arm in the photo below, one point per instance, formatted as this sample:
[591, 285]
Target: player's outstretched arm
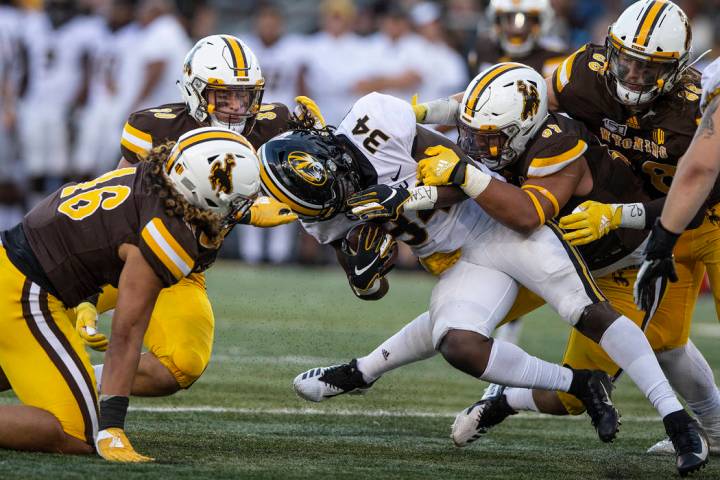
[138, 289]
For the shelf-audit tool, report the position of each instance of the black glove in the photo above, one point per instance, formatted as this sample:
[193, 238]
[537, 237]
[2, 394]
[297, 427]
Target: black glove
[372, 258]
[657, 267]
[378, 202]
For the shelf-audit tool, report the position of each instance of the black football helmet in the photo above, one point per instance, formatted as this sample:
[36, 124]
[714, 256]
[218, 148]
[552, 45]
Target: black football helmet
[310, 171]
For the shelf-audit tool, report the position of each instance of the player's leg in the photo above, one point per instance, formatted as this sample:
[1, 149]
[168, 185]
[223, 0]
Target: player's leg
[49, 371]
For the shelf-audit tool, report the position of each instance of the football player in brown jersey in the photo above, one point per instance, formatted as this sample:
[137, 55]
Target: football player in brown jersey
[140, 229]
[516, 31]
[638, 94]
[222, 85]
[553, 163]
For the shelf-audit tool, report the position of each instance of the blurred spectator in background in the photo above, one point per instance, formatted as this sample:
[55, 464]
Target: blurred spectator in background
[159, 53]
[110, 93]
[335, 59]
[198, 17]
[279, 55]
[54, 46]
[518, 33]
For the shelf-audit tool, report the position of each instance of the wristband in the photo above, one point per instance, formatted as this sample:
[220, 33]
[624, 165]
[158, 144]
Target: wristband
[113, 409]
[421, 198]
[441, 112]
[475, 181]
[661, 243]
[633, 215]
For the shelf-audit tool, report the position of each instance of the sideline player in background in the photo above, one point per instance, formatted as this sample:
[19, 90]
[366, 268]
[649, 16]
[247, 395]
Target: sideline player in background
[138, 228]
[222, 86]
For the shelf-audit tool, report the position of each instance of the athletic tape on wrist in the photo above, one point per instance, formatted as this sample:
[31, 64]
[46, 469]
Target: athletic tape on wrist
[633, 216]
[113, 409]
[475, 182]
[421, 198]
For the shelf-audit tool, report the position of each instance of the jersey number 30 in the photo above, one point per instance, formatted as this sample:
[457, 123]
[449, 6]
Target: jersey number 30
[83, 204]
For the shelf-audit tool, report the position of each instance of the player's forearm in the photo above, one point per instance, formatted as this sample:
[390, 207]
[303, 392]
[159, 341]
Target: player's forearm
[510, 206]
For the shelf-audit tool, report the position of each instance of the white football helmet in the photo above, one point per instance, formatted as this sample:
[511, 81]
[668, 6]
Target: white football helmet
[518, 24]
[215, 169]
[648, 49]
[222, 83]
[502, 108]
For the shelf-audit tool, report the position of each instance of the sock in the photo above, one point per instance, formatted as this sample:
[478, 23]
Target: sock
[98, 369]
[411, 344]
[521, 399]
[512, 366]
[626, 344]
[692, 378]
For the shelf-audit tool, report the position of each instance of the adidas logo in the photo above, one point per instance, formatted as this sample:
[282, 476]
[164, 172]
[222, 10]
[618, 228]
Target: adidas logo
[117, 443]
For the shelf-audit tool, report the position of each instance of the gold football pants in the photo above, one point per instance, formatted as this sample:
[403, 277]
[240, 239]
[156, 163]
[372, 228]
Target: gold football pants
[42, 356]
[180, 332]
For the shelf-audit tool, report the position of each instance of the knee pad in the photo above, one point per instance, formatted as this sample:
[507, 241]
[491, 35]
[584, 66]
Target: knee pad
[186, 365]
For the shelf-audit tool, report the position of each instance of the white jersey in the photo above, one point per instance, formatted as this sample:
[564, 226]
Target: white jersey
[710, 82]
[383, 129]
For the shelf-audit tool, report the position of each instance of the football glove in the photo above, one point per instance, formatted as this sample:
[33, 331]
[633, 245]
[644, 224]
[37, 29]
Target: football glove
[419, 109]
[591, 221]
[442, 167]
[308, 113]
[379, 202]
[86, 326]
[113, 445]
[267, 212]
[372, 259]
[657, 267]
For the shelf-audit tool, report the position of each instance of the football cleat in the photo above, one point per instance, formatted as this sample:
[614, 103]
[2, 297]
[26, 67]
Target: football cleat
[598, 403]
[690, 442]
[665, 447]
[475, 421]
[113, 445]
[318, 384]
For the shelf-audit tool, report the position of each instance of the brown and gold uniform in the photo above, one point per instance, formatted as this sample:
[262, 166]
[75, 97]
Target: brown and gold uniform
[488, 53]
[63, 252]
[652, 141]
[180, 333]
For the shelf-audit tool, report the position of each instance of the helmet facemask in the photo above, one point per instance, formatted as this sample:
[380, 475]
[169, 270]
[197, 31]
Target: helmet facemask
[232, 106]
[518, 31]
[490, 146]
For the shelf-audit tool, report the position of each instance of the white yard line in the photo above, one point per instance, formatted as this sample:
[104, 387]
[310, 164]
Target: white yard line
[349, 413]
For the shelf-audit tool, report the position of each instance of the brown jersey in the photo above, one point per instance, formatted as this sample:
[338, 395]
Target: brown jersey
[488, 53]
[562, 141]
[652, 141]
[75, 234]
[149, 128]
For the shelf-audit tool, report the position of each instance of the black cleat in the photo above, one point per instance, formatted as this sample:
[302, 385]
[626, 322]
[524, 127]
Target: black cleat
[689, 440]
[318, 384]
[592, 388]
[476, 420]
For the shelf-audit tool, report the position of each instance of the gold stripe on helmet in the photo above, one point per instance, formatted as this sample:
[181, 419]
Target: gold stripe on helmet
[276, 192]
[484, 81]
[648, 22]
[203, 137]
[240, 66]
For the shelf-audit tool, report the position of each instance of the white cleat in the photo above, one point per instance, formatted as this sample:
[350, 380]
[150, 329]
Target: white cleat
[318, 384]
[665, 447]
[475, 421]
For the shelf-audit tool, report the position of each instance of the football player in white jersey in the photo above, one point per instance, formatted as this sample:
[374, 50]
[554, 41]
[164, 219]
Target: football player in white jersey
[379, 143]
[695, 177]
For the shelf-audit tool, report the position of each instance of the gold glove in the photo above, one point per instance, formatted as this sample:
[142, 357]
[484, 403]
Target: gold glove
[439, 167]
[113, 445]
[267, 212]
[420, 109]
[86, 326]
[307, 109]
[591, 221]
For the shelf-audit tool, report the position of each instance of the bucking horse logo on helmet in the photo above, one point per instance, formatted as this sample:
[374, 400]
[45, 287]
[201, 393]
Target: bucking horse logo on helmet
[531, 99]
[221, 175]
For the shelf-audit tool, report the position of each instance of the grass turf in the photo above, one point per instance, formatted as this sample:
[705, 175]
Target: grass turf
[273, 323]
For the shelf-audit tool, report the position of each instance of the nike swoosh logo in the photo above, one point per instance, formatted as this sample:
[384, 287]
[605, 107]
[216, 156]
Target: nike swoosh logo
[363, 270]
[704, 452]
[607, 402]
[397, 175]
[394, 192]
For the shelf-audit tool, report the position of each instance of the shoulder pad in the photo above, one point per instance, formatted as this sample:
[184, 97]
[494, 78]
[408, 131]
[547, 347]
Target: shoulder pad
[554, 149]
[587, 56]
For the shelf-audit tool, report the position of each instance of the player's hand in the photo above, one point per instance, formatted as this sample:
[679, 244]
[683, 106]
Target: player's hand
[591, 221]
[379, 202]
[308, 112]
[267, 212]
[419, 109]
[113, 445]
[657, 267]
[372, 258]
[86, 326]
[442, 167]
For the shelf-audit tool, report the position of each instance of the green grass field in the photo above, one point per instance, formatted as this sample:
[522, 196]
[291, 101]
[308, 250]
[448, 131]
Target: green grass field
[243, 420]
